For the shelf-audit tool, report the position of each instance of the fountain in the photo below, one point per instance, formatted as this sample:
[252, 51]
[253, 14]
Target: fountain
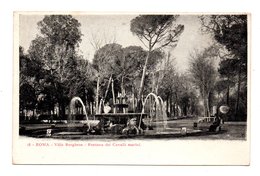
[160, 111]
[164, 114]
[72, 108]
[116, 122]
[71, 118]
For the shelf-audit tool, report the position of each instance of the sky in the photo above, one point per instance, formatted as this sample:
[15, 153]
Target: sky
[118, 27]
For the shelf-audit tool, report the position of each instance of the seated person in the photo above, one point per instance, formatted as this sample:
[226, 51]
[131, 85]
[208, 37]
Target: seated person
[215, 124]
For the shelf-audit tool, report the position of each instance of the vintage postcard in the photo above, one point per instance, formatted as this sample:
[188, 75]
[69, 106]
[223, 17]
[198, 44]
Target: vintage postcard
[131, 89]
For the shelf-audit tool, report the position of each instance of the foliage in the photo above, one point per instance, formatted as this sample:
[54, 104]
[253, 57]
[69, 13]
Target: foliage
[123, 64]
[52, 72]
[228, 30]
[105, 57]
[231, 32]
[27, 97]
[155, 32]
[203, 74]
[27, 92]
[61, 30]
[61, 69]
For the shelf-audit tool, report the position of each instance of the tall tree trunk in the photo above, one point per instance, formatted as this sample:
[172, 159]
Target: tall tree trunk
[170, 105]
[204, 94]
[97, 95]
[176, 103]
[133, 100]
[139, 106]
[143, 75]
[63, 114]
[167, 105]
[113, 92]
[91, 108]
[208, 105]
[153, 83]
[185, 110]
[113, 95]
[228, 91]
[33, 113]
[205, 106]
[238, 92]
[108, 85]
[122, 86]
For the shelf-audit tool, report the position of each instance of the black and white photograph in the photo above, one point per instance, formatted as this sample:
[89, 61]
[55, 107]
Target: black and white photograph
[118, 82]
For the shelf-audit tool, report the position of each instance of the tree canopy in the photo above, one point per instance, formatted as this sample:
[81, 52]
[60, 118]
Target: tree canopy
[203, 74]
[231, 31]
[52, 71]
[157, 30]
[55, 51]
[61, 30]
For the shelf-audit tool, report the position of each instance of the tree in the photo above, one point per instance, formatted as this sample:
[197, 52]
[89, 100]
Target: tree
[167, 86]
[123, 65]
[55, 49]
[29, 76]
[81, 82]
[133, 62]
[231, 32]
[176, 89]
[103, 61]
[27, 97]
[227, 70]
[203, 74]
[61, 35]
[127, 67]
[47, 99]
[98, 41]
[155, 32]
[105, 57]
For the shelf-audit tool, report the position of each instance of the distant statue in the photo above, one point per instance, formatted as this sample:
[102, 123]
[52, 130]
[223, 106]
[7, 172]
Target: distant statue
[107, 108]
[131, 127]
